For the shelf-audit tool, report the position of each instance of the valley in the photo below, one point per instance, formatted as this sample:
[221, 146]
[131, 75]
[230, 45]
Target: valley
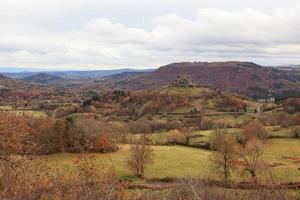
[182, 116]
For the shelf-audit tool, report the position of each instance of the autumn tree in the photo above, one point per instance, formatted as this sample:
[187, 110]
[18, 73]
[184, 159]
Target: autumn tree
[140, 156]
[254, 129]
[233, 103]
[60, 129]
[225, 155]
[46, 136]
[292, 105]
[117, 130]
[13, 130]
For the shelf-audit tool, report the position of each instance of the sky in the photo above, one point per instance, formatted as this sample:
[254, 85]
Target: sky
[113, 34]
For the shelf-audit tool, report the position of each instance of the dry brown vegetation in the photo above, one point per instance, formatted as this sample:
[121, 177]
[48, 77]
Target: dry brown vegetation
[22, 179]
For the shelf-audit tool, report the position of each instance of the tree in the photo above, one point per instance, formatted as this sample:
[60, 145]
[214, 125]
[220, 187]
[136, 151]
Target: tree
[245, 107]
[251, 154]
[13, 130]
[140, 156]
[88, 135]
[225, 155]
[234, 103]
[254, 129]
[117, 130]
[44, 137]
[61, 129]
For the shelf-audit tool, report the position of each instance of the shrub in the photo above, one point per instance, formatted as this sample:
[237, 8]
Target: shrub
[176, 137]
[88, 135]
[139, 127]
[292, 105]
[24, 179]
[211, 190]
[90, 109]
[254, 129]
[295, 132]
[44, 137]
[103, 145]
[285, 120]
[269, 119]
[67, 110]
[206, 124]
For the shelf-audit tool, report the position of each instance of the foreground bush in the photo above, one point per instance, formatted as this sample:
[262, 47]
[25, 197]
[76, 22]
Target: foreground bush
[205, 190]
[20, 135]
[22, 179]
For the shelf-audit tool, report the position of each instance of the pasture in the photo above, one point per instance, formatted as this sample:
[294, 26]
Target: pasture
[282, 155]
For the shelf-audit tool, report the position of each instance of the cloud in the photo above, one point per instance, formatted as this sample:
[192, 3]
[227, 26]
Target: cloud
[211, 35]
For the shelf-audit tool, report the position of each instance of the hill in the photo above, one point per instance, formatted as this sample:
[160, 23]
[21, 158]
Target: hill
[91, 74]
[240, 77]
[43, 78]
[20, 92]
[8, 83]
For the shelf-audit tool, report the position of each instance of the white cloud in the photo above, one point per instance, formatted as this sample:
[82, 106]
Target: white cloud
[249, 34]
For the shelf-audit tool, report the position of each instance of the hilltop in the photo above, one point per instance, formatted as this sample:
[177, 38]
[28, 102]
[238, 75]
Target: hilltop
[43, 78]
[245, 78]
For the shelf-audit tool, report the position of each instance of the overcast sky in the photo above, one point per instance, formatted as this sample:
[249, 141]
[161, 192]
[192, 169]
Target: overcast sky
[98, 34]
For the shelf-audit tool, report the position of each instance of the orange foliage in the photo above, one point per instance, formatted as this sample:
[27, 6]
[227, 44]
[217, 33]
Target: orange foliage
[13, 130]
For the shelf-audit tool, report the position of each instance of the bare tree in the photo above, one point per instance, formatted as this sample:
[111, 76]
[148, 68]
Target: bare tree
[225, 155]
[117, 130]
[251, 154]
[140, 156]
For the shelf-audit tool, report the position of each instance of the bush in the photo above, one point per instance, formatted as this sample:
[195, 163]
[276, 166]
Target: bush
[206, 124]
[285, 120]
[254, 129]
[269, 119]
[213, 190]
[139, 127]
[13, 131]
[67, 110]
[24, 179]
[292, 105]
[102, 145]
[89, 109]
[44, 137]
[295, 132]
[88, 135]
[176, 137]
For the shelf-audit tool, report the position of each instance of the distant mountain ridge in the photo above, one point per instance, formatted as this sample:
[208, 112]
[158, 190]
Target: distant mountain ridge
[240, 77]
[73, 74]
[12, 84]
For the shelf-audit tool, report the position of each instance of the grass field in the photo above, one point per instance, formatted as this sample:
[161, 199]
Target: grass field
[169, 161]
[178, 161]
[192, 92]
[232, 120]
[285, 153]
[277, 131]
[29, 113]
